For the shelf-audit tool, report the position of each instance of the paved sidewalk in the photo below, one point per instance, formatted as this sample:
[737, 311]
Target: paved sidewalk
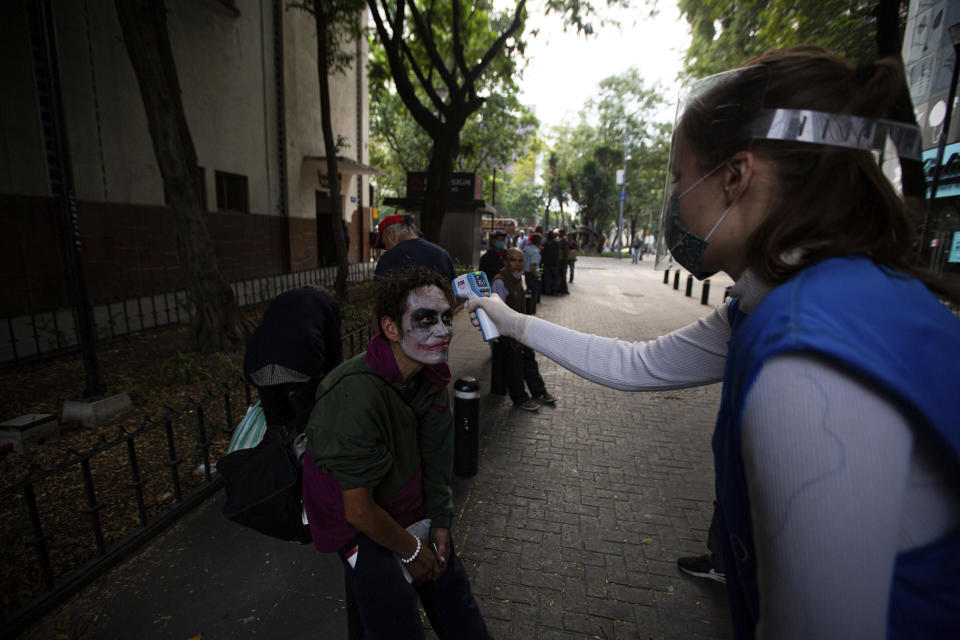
[571, 529]
[573, 526]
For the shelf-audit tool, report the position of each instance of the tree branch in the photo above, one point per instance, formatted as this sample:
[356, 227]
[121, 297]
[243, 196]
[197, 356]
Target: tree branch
[497, 45]
[426, 35]
[424, 81]
[391, 46]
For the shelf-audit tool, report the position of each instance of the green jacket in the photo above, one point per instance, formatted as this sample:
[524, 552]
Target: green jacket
[368, 430]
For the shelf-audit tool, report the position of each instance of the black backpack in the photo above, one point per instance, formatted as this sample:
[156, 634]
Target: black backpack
[263, 485]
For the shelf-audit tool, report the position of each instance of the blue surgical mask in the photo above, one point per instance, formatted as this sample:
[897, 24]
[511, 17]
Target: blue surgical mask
[499, 244]
[686, 248]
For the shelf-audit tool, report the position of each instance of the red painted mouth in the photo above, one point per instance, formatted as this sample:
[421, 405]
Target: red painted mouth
[443, 346]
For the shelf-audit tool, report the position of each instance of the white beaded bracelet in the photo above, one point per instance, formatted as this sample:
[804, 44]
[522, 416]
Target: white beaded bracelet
[415, 553]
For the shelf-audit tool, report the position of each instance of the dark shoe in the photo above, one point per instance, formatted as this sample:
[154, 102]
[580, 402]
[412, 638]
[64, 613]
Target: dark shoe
[546, 398]
[529, 405]
[701, 567]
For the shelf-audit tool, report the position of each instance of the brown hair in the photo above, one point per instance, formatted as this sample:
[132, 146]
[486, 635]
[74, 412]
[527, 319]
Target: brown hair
[390, 291]
[833, 201]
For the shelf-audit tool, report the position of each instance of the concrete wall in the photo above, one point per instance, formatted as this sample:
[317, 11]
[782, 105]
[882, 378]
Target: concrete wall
[227, 72]
[23, 169]
[304, 131]
[227, 91]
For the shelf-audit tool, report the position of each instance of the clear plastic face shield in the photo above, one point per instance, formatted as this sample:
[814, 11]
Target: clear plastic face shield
[742, 92]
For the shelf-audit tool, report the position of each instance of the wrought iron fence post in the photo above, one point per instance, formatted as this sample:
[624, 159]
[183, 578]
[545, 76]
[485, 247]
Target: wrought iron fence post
[39, 539]
[228, 413]
[93, 507]
[173, 463]
[137, 483]
[202, 442]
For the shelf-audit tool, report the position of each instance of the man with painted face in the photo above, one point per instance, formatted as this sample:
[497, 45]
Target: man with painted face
[518, 363]
[379, 461]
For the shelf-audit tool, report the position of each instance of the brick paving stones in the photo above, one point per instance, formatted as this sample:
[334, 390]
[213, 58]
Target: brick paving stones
[572, 527]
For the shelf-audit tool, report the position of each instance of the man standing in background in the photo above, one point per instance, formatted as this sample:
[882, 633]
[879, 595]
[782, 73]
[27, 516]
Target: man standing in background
[492, 260]
[398, 235]
[519, 362]
[531, 266]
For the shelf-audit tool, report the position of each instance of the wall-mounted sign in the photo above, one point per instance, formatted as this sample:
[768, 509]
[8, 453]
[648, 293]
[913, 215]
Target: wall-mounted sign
[463, 186]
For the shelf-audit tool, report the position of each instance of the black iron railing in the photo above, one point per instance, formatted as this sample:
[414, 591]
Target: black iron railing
[61, 524]
[67, 524]
[39, 334]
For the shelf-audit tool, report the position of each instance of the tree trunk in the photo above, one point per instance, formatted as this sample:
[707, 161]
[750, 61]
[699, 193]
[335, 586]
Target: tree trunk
[322, 18]
[217, 322]
[437, 192]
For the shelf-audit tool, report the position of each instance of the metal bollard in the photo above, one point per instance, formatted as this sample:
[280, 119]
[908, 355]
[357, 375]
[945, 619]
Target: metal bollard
[676, 280]
[466, 422]
[666, 277]
[705, 294]
[689, 290]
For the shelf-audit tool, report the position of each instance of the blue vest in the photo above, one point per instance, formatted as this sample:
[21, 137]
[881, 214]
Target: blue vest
[888, 330]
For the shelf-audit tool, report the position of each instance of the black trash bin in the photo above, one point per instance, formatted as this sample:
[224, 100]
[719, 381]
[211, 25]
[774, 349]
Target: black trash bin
[466, 421]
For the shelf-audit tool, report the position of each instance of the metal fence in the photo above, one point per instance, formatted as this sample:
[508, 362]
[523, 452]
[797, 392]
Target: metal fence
[65, 525]
[40, 334]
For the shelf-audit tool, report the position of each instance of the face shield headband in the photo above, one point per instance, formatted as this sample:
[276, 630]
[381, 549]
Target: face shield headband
[793, 125]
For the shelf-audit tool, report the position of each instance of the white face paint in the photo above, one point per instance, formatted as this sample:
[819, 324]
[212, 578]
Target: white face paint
[427, 326]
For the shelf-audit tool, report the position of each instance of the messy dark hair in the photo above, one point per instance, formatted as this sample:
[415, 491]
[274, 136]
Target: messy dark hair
[390, 291]
[832, 201]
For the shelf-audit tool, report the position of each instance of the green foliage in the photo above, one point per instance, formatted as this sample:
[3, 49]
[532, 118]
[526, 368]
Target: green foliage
[727, 33]
[184, 367]
[585, 157]
[493, 137]
[580, 15]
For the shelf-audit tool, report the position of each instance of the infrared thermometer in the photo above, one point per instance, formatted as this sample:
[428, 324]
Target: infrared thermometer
[474, 285]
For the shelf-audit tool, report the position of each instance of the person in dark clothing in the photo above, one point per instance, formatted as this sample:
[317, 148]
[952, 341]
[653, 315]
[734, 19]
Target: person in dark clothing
[550, 259]
[531, 266]
[491, 262]
[519, 362]
[572, 256]
[296, 344]
[397, 234]
[564, 261]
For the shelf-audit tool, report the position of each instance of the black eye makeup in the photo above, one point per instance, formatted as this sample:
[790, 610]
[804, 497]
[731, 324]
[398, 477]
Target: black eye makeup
[430, 317]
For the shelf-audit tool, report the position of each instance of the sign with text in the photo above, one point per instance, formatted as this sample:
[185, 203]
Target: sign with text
[463, 186]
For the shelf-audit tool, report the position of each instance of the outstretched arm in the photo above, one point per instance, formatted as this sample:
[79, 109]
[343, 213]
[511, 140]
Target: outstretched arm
[689, 357]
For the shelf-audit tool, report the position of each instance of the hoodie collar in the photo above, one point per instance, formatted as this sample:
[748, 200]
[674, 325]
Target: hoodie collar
[380, 358]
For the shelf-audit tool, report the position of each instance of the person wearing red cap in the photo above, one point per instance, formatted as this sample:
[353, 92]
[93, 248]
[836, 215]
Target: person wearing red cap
[403, 247]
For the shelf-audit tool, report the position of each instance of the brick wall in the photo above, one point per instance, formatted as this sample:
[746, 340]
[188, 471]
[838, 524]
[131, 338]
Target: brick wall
[131, 250]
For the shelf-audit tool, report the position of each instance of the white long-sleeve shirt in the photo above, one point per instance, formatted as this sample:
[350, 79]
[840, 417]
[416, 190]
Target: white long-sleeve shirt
[839, 482]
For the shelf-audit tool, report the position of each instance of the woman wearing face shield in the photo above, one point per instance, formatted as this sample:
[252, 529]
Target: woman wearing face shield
[837, 444]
